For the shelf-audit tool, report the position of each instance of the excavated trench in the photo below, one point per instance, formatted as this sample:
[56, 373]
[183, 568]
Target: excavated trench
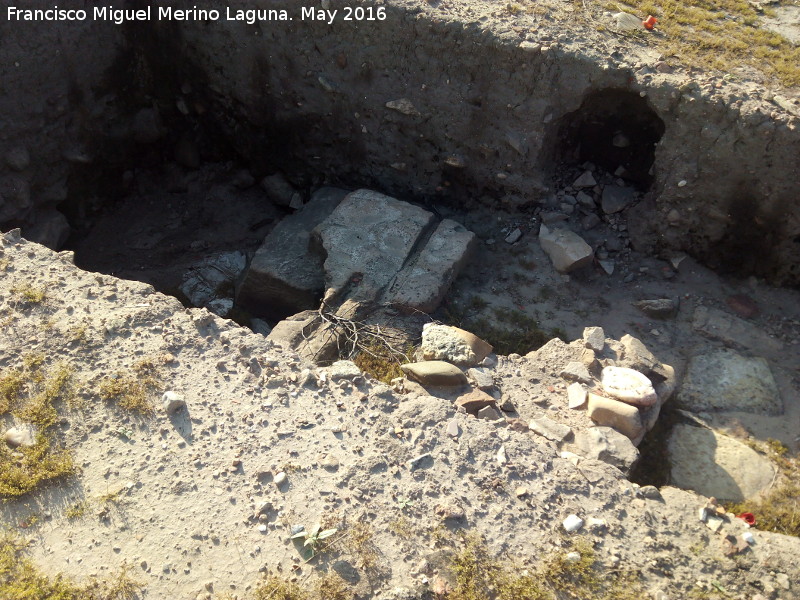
[151, 163]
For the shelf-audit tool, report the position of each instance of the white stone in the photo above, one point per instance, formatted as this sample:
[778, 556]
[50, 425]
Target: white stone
[21, 435]
[594, 338]
[572, 523]
[567, 250]
[280, 478]
[576, 396]
[629, 386]
[454, 345]
[173, 402]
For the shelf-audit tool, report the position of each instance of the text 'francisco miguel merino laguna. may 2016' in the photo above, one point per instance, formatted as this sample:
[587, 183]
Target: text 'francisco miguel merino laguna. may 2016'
[168, 13]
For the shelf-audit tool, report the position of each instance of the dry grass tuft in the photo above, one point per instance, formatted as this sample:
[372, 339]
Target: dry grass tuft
[132, 391]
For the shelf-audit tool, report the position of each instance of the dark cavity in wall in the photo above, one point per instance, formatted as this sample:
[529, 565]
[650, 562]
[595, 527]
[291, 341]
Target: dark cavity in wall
[616, 130]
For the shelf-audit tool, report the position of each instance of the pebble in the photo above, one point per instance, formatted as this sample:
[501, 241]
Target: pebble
[452, 428]
[513, 236]
[521, 491]
[502, 458]
[585, 180]
[572, 523]
[280, 478]
[594, 338]
[576, 396]
[173, 402]
[573, 557]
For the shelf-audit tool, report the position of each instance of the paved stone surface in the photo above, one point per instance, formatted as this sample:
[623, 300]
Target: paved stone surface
[726, 380]
[422, 284]
[716, 465]
[367, 240]
[285, 276]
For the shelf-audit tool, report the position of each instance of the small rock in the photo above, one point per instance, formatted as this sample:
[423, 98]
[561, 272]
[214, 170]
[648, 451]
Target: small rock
[649, 491]
[586, 179]
[474, 401]
[585, 200]
[489, 413]
[576, 371]
[344, 369]
[18, 159]
[521, 491]
[172, 402]
[450, 511]
[608, 445]
[572, 523]
[567, 250]
[513, 236]
[502, 457]
[556, 432]
[452, 344]
[594, 338]
[280, 478]
[20, 436]
[279, 191]
[423, 461]
[629, 386]
[452, 428]
[403, 106]
[435, 373]
[590, 221]
[616, 198]
[481, 378]
[576, 396]
[608, 267]
[573, 557]
[661, 308]
[329, 463]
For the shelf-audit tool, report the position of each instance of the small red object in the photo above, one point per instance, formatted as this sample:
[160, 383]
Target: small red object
[649, 22]
[748, 518]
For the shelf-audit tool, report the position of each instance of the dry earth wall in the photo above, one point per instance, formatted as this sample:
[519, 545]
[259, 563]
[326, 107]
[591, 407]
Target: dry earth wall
[480, 114]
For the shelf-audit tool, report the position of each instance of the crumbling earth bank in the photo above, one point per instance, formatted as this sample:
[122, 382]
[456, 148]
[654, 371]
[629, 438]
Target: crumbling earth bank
[206, 497]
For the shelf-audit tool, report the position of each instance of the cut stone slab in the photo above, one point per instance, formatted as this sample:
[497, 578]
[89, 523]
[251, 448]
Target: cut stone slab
[613, 413]
[716, 465]
[474, 401]
[616, 198]
[556, 432]
[435, 373]
[285, 276]
[452, 344]
[629, 386]
[367, 239]
[660, 308]
[594, 338]
[719, 325]
[726, 380]
[607, 445]
[422, 284]
[567, 250]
